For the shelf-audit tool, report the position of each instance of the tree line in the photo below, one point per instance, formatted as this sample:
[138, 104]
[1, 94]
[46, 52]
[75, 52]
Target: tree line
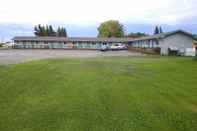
[114, 28]
[48, 30]
[111, 28]
[158, 30]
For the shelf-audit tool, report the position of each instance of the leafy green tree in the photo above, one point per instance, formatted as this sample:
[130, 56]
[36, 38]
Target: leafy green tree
[111, 28]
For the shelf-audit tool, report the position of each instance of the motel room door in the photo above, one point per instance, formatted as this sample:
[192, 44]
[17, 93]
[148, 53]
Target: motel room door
[50, 45]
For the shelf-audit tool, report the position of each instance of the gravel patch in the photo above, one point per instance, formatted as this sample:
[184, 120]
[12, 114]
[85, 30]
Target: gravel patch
[14, 56]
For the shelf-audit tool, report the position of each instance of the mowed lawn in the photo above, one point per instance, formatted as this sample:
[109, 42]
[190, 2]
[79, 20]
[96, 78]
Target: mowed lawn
[100, 94]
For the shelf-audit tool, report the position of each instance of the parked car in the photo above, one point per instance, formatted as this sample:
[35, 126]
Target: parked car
[118, 47]
[104, 48]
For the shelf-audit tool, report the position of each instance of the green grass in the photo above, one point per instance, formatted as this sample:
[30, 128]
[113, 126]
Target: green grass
[102, 94]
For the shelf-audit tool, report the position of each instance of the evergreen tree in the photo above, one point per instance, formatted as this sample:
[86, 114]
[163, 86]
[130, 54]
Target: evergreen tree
[64, 32]
[61, 31]
[44, 30]
[156, 30]
[52, 32]
[58, 33]
[160, 30]
[36, 31]
[41, 31]
[47, 31]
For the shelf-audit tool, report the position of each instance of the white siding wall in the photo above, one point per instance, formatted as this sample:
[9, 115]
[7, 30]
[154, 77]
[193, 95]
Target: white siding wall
[179, 40]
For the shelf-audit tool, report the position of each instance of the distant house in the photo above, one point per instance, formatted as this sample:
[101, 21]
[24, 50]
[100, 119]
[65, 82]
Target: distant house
[177, 40]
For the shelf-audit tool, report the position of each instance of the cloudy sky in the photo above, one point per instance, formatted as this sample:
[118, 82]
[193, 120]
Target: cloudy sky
[81, 17]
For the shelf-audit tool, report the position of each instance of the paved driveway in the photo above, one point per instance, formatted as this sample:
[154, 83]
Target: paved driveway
[14, 56]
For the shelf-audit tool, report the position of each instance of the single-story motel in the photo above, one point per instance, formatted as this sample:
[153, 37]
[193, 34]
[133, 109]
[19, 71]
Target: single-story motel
[176, 40]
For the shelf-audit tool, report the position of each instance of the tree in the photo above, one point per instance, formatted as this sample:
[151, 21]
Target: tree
[36, 31]
[111, 28]
[156, 30]
[52, 32]
[160, 30]
[136, 35]
[61, 32]
[58, 33]
[48, 30]
[41, 30]
[64, 32]
[195, 36]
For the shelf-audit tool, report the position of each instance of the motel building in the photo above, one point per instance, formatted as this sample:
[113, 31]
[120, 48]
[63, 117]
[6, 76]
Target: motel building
[66, 42]
[175, 41]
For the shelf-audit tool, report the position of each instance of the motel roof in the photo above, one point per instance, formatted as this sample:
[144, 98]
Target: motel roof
[164, 35]
[95, 39]
[71, 39]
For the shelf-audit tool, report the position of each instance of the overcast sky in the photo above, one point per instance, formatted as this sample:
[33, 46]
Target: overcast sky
[92, 12]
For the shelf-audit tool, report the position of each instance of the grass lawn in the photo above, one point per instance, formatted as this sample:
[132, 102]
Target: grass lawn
[101, 94]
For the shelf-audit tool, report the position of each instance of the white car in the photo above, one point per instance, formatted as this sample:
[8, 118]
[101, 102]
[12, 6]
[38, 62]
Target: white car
[118, 47]
[104, 48]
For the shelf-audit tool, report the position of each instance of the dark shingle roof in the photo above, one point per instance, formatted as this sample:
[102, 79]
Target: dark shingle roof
[72, 39]
[32, 38]
[95, 39]
[164, 35]
[90, 39]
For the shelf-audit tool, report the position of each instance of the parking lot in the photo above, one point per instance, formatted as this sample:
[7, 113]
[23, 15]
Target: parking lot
[14, 56]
